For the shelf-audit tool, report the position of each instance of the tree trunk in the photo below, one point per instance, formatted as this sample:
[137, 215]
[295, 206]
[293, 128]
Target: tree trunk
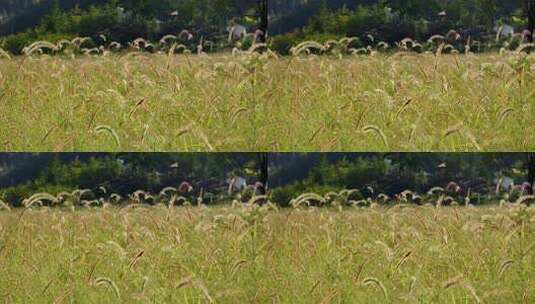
[530, 11]
[263, 12]
[531, 172]
[264, 169]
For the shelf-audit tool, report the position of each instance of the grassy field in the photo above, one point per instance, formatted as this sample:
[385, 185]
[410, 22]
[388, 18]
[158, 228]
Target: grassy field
[387, 102]
[256, 255]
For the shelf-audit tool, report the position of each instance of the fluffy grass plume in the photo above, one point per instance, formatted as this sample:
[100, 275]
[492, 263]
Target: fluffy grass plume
[246, 254]
[253, 102]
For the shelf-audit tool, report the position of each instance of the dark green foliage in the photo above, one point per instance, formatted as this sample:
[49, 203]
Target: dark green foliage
[123, 21]
[25, 15]
[283, 43]
[27, 174]
[15, 43]
[393, 20]
[60, 176]
[385, 20]
[392, 173]
[283, 195]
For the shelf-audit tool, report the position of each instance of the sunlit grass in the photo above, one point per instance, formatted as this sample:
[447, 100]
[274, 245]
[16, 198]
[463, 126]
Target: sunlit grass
[243, 254]
[386, 102]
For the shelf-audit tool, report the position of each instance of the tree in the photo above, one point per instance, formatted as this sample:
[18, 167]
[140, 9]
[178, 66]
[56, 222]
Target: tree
[52, 22]
[264, 22]
[530, 12]
[319, 23]
[531, 171]
[264, 163]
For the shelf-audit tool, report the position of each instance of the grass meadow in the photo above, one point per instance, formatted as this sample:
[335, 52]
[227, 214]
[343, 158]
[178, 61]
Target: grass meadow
[248, 102]
[250, 254]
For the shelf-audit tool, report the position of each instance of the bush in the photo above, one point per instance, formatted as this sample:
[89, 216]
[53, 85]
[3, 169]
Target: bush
[15, 195]
[283, 43]
[283, 195]
[15, 43]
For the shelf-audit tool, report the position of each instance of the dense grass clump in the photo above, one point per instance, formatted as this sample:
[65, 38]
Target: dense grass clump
[250, 102]
[403, 254]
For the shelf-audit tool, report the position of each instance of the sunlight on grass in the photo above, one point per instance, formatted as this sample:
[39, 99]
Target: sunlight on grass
[260, 254]
[143, 102]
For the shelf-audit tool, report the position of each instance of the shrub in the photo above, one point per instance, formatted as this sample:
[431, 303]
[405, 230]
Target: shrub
[15, 43]
[283, 195]
[283, 43]
[15, 195]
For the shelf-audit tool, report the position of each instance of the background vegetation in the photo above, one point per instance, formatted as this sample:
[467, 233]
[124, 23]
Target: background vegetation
[389, 20]
[289, 175]
[291, 21]
[22, 175]
[121, 20]
[392, 173]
